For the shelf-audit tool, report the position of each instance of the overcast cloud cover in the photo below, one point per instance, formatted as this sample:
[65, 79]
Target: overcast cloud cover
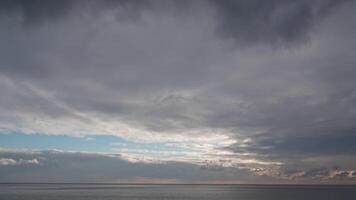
[230, 91]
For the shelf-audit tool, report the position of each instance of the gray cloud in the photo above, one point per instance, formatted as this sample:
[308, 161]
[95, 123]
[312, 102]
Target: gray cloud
[33, 12]
[37, 12]
[274, 22]
[164, 71]
[321, 173]
[86, 167]
[61, 166]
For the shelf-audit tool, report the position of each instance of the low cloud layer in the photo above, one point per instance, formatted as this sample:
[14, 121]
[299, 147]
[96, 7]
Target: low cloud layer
[242, 82]
[60, 166]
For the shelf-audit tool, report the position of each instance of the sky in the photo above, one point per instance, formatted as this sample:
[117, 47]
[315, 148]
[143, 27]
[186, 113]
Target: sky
[175, 91]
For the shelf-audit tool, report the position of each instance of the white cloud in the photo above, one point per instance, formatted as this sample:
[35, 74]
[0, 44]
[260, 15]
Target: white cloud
[31, 162]
[9, 161]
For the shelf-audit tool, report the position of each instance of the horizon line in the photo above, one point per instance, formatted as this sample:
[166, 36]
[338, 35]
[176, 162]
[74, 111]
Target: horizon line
[242, 184]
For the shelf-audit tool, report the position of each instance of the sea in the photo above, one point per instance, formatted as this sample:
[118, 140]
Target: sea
[167, 192]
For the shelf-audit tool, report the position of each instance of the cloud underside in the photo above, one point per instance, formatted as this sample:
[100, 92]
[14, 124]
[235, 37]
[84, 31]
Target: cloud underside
[248, 82]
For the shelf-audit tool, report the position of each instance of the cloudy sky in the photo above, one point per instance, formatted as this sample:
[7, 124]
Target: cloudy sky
[157, 91]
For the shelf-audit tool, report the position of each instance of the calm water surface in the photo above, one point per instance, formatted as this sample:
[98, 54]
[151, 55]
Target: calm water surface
[184, 192]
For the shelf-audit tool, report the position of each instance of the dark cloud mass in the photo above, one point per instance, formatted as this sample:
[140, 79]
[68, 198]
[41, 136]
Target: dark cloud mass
[273, 81]
[36, 11]
[273, 22]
